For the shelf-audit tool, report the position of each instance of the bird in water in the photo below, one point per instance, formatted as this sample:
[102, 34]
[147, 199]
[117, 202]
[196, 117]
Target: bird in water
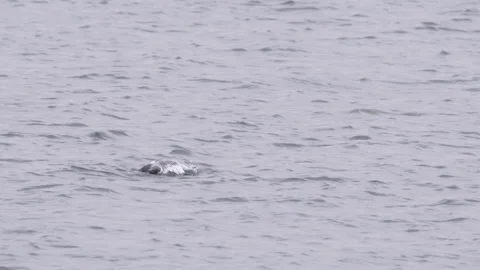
[169, 168]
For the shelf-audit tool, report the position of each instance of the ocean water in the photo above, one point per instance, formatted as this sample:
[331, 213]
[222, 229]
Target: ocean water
[329, 134]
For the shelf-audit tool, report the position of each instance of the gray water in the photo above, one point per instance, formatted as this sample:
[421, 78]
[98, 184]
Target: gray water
[330, 135]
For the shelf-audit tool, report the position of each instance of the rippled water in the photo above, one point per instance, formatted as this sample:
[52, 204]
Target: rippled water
[330, 135]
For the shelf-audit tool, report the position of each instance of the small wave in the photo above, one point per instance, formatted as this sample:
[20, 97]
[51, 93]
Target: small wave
[117, 77]
[206, 80]
[451, 81]
[413, 114]
[179, 150]
[447, 202]
[290, 49]
[206, 182]
[114, 116]
[145, 30]
[319, 101]
[273, 237]
[310, 139]
[196, 117]
[360, 138]
[85, 91]
[20, 231]
[294, 200]
[377, 182]
[476, 89]
[317, 200]
[91, 171]
[5, 144]
[34, 123]
[288, 145]
[175, 31]
[318, 178]
[342, 223]
[73, 124]
[243, 124]
[455, 146]
[324, 129]
[451, 29]
[48, 136]
[459, 219]
[32, 54]
[96, 189]
[181, 219]
[310, 8]
[246, 86]
[373, 193]
[12, 134]
[396, 32]
[357, 38]
[230, 199]
[64, 246]
[461, 20]
[149, 189]
[99, 135]
[89, 76]
[18, 160]
[96, 227]
[432, 166]
[118, 132]
[207, 141]
[394, 221]
[40, 187]
[304, 22]
[254, 3]
[428, 27]
[368, 111]
[326, 178]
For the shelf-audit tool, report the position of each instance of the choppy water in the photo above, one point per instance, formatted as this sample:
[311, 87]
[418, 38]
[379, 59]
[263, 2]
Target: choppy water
[331, 135]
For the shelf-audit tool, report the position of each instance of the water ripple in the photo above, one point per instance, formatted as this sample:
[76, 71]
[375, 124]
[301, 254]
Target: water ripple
[115, 116]
[314, 124]
[17, 160]
[368, 111]
[288, 145]
[97, 190]
[99, 136]
[230, 199]
[459, 219]
[49, 186]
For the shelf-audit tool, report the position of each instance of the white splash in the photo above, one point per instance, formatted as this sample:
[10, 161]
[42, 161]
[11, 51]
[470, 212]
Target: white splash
[169, 167]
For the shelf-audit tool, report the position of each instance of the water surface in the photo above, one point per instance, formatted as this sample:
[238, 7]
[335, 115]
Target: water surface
[336, 135]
